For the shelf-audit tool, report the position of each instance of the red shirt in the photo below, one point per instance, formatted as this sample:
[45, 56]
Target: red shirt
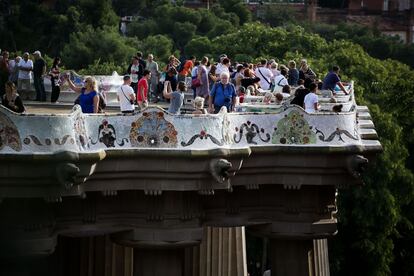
[142, 84]
[188, 65]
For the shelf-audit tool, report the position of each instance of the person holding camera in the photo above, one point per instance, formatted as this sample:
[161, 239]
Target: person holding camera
[222, 94]
[126, 96]
[176, 97]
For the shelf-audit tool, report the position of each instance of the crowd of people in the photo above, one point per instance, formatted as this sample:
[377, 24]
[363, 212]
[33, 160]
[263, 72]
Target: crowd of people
[213, 85]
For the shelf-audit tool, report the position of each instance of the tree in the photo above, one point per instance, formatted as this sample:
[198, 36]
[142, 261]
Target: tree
[160, 46]
[182, 33]
[104, 44]
[199, 47]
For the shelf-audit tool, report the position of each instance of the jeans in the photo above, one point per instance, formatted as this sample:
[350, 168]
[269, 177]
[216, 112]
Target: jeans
[40, 89]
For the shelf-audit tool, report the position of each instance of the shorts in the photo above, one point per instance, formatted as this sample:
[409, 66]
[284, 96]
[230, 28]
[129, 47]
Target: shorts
[23, 84]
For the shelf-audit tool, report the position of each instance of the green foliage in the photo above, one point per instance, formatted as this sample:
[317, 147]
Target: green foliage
[91, 44]
[198, 47]
[105, 68]
[160, 46]
[376, 44]
[142, 29]
[183, 32]
[277, 15]
[98, 13]
[237, 7]
[376, 220]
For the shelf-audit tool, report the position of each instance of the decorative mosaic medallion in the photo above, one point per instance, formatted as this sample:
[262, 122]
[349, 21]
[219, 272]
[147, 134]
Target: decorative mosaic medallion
[9, 135]
[153, 130]
[293, 129]
[107, 135]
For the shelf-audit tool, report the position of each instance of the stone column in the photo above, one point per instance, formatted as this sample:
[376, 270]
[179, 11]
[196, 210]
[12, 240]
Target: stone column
[223, 252]
[321, 257]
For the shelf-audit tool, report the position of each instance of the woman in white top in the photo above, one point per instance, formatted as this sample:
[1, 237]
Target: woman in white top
[310, 103]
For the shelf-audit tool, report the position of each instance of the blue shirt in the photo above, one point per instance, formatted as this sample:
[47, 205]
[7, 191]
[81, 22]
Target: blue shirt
[177, 99]
[223, 95]
[330, 81]
[86, 101]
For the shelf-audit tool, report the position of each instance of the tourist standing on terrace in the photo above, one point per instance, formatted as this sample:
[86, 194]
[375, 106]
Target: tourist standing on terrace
[126, 96]
[273, 68]
[171, 76]
[293, 75]
[142, 94]
[4, 71]
[222, 94]
[280, 80]
[203, 90]
[152, 66]
[332, 79]
[188, 66]
[11, 99]
[88, 98]
[238, 76]
[54, 79]
[212, 78]
[141, 65]
[223, 66]
[25, 76]
[310, 103]
[264, 74]
[134, 70]
[306, 73]
[14, 69]
[173, 62]
[176, 97]
[39, 70]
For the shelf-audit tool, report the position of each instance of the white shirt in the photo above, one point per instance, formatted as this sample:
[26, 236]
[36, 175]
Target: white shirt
[267, 273]
[280, 81]
[134, 73]
[124, 100]
[222, 68]
[265, 76]
[194, 71]
[309, 102]
[275, 72]
[28, 65]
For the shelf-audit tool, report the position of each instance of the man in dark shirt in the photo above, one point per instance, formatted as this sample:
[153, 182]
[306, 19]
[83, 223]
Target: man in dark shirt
[39, 70]
[142, 65]
[172, 78]
[332, 79]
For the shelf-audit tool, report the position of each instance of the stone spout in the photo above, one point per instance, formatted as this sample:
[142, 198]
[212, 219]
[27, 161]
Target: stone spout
[219, 169]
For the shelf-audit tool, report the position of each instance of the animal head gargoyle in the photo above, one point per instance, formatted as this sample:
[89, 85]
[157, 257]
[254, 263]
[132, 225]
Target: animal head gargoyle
[66, 174]
[219, 169]
[356, 164]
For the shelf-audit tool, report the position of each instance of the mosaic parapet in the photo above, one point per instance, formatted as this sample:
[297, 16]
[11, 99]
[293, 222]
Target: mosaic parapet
[154, 128]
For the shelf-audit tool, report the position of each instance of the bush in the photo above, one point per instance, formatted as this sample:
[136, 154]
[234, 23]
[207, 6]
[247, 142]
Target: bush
[89, 45]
